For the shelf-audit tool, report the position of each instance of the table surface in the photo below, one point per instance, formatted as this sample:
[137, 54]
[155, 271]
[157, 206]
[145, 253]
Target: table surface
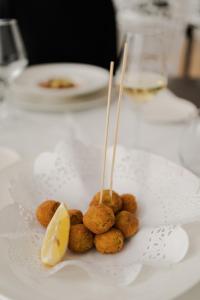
[186, 88]
[31, 133]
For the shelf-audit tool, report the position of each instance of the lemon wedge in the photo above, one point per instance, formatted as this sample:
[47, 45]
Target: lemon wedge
[56, 238]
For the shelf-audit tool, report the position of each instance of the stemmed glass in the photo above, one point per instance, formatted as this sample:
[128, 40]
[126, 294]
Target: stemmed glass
[12, 58]
[145, 74]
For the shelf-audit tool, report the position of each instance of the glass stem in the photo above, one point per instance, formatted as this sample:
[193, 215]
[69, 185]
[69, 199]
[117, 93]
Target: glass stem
[138, 124]
[3, 86]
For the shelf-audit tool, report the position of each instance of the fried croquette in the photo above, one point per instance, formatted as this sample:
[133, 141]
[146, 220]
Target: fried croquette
[80, 239]
[111, 241]
[127, 223]
[113, 201]
[76, 216]
[99, 218]
[129, 203]
[45, 211]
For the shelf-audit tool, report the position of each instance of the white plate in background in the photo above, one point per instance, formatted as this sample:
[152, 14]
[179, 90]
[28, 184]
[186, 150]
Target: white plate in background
[71, 104]
[87, 78]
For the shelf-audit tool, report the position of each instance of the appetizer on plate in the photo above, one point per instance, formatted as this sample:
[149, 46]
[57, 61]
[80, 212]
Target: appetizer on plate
[57, 83]
[98, 227]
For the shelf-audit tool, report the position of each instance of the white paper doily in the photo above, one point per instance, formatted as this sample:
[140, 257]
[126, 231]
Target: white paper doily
[168, 196]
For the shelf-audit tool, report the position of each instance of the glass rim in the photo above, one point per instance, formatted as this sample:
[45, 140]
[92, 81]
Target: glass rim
[7, 21]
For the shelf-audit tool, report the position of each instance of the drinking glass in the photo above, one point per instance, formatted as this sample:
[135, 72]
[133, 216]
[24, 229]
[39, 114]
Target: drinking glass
[145, 74]
[12, 57]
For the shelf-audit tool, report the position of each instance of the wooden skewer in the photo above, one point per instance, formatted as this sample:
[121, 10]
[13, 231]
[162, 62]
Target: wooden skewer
[124, 62]
[106, 130]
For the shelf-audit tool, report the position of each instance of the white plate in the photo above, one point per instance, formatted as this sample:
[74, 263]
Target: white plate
[87, 78]
[152, 284]
[70, 104]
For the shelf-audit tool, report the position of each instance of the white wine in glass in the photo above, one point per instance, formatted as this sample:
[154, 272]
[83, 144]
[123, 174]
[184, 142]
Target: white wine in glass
[145, 75]
[145, 86]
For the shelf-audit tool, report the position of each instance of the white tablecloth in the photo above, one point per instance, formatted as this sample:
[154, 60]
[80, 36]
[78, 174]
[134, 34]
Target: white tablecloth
[30, 133]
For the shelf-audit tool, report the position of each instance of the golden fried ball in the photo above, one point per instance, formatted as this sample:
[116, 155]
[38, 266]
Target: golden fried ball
[111, 241]
[99, 218]
[113, 202]
[127, 223]
[129, 203]
[80, 239]
[45, 211]
[76, 216]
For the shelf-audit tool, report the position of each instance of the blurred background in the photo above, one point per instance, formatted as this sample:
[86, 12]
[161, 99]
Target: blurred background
[181, 19]
[95, 32]
[44, 24]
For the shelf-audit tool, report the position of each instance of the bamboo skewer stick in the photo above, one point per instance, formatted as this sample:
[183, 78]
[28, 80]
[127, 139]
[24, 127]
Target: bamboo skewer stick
[124, 62]
[106, 130]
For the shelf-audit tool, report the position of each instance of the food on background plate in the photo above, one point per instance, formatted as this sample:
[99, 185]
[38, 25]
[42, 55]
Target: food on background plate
[76, 216]
[46, 210]
[127, 223]
[99, 218]
[57, 83]
[111, 199]
[129, 203]
[109, 242]
[56, 238]
[80, 239]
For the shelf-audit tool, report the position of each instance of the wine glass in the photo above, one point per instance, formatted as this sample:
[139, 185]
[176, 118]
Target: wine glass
[13, 58]
[145, 74]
